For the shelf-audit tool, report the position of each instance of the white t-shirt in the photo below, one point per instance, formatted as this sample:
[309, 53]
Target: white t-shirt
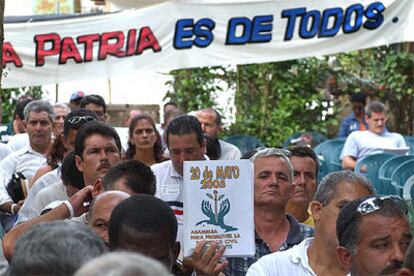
[229, 151]
[363, 143]
[169, 188]
[292, 262]
[45, 180]
[18, 141]
[54, 192]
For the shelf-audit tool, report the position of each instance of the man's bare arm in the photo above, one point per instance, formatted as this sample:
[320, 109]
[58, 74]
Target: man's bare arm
[59, 213]
[348, 162]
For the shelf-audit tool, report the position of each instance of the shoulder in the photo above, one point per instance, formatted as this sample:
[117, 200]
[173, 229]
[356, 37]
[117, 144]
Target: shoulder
[159, 167]
[279, 263]
[229, 151]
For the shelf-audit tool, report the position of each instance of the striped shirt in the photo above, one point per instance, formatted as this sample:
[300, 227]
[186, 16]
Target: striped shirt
[26, 161]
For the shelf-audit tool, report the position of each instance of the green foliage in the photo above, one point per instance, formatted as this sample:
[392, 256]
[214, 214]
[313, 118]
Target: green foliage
[386, 74]
[9, 98]
[193, 89]
[275, 100]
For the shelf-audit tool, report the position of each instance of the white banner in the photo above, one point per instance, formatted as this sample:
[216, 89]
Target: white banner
[177, 35]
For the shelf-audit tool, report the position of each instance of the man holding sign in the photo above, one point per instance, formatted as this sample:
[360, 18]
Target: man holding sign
[185, 142]
[275, 229]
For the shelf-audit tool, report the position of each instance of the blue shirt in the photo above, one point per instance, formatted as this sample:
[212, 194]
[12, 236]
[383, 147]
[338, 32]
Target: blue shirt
[350, 124]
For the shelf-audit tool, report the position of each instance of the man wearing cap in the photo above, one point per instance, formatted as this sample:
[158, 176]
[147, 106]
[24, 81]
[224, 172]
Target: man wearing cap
[75, 99]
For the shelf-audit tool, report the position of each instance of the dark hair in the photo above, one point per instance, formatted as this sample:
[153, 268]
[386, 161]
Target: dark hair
[158, 148]
[212, 147]
[327, 188]
[18, 112]
[67, 126]
[409, 257]
[183, 125]
[138, 177]
[56, 153]
[55, 248]
[91, 128]
[358, 98]
[70, 173]
[375, 106]
[216, 113]
[93, 99]
[305, 151]
[170, 103]
[142, 213]
[349, 220]
[173, 113]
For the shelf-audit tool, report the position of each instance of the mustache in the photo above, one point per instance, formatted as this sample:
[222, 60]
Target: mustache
[393, 267]
[104, 165]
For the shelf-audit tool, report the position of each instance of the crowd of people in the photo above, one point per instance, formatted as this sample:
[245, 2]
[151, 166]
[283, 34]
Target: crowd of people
[76, 198]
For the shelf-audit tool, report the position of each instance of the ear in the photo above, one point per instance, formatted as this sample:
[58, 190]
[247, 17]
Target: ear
[79, 163]
[25, 125]
[97, 188]
[405, 272]
[344, 257]
[316, 209]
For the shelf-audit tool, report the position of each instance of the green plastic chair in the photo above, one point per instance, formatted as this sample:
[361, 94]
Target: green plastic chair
[372, 164]
[245, 143]
[317, 138]
[329, 153]
[401, 174]
[410, 142]
[387, 168]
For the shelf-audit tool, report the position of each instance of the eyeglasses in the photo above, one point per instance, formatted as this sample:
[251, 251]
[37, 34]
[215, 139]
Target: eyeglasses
[373, 204]
[77, 119]
[269, 152]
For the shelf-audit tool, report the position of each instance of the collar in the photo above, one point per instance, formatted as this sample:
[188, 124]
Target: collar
[299, 254]
[174, 173]
[294, 235]
[28, 149]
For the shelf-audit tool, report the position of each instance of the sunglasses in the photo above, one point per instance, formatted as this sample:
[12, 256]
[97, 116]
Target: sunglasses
[269, 152]
[373, 204]
[77, 119]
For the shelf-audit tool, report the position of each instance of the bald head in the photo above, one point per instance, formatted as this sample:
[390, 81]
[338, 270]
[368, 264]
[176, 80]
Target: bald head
[101, 210]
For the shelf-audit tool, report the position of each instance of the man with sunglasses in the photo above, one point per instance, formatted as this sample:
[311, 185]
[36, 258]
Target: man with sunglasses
[73, 122]
[373, 234]
[275, 230]
[317, 256]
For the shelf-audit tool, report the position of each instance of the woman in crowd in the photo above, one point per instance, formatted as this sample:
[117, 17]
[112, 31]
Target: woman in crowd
[144, 142]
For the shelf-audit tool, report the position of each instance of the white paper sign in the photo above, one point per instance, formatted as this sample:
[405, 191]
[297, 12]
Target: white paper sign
[218, 205]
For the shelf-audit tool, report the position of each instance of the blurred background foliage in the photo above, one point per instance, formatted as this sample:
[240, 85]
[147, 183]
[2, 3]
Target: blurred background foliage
[275, 100]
